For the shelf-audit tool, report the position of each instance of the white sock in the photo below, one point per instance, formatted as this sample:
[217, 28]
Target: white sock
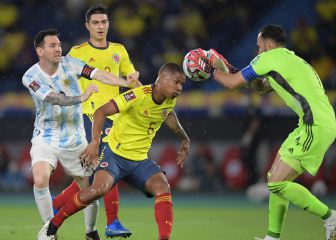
[332, 218]
[90, 216]
[267, 238]
[271, 238]
[44, 203]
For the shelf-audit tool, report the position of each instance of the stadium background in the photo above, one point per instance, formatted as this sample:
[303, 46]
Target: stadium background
[234, 134]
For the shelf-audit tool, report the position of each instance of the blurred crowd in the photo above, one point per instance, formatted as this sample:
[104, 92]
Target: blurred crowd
[158, 31]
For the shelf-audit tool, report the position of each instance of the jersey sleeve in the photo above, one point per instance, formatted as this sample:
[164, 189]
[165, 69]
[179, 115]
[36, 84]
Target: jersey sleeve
[81, 68]
[126, 100]
[126, 66]
[262, 64]
[36, 87]
[258, 67]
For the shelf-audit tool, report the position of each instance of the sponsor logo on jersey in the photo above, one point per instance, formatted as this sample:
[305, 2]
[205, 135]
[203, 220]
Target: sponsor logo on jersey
[116, 57]
[34, 86]
[164, 113]
[129, 96]
[104, 164]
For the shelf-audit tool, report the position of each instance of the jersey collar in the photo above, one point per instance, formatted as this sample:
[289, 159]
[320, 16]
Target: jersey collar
[101, 48]
[156, 102]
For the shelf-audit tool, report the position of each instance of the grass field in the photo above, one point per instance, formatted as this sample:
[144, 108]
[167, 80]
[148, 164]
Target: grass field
[195, 218]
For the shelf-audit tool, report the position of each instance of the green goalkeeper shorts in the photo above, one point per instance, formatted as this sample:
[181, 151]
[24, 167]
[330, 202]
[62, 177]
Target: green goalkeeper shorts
[305, 147]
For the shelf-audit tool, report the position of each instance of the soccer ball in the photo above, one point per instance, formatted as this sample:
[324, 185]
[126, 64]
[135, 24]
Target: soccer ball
[193, 73]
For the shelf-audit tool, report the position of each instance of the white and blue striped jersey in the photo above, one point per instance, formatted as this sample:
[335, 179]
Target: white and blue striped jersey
[59, 126]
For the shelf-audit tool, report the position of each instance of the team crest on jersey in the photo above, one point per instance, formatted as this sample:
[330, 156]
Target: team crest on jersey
[92, 60]
[146, 113]
[34, 86]
[104, 164]
[129, 96]
[116, 57]
[107, 131]
[164, 113]
[66, 82]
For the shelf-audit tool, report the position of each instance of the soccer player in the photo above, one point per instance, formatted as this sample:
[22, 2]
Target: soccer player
[112, 57]
[297, 83]
[59, 133]
[141, 113]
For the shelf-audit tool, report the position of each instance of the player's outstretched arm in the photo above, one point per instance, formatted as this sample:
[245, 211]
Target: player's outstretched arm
[90, 153]
[63, 100]
[229, 80]
[174, 124]
[229, 76]
[133, 80]
[110, 79]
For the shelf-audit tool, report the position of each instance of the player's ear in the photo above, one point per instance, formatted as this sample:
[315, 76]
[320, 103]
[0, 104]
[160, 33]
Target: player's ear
[87, 25]
[39, 51]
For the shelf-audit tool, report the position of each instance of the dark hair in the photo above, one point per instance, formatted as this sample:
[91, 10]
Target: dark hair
[171, 68]
[97, 9]
[39, 37]
[275, 33]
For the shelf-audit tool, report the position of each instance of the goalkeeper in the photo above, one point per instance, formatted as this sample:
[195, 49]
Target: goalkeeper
[297, 83]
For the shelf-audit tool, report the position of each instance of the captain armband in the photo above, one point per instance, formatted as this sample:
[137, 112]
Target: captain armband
[88, 72]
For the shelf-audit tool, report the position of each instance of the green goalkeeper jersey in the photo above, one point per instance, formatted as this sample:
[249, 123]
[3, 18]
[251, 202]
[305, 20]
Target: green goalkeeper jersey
[296, 82]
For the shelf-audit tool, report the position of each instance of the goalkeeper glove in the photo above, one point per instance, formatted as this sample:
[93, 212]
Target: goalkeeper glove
[200, 61]
[228, 68]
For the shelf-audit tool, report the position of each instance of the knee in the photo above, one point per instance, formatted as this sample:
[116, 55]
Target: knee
[160, 187]
[41, 180]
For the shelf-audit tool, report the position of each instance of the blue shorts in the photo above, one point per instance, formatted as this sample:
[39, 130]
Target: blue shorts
[88, 129]
[135, 173]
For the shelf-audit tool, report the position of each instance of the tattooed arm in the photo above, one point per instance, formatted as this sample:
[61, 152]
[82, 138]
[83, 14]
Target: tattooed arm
[63, 100]
[174, 124]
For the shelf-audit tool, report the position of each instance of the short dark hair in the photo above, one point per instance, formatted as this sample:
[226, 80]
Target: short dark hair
[275, 33]
[39, 37]
[171, 68]
[97, 9]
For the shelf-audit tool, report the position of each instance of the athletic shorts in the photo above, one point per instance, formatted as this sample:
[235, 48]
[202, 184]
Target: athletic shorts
[69, 159]
[305, 147]
[88, 130]
[135, 173]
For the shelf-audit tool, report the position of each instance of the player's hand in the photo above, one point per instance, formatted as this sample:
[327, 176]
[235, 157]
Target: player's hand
[260, 85]
[199, 60]
[183, 152]
[92, 88]
[221, 62]
[218, 61]
[90, 155]
[132, 80]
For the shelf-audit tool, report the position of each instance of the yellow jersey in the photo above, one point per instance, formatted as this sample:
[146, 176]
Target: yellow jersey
[113, 58]
[138, 120]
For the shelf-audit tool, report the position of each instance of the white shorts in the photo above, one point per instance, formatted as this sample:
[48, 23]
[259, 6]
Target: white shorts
[69, 159]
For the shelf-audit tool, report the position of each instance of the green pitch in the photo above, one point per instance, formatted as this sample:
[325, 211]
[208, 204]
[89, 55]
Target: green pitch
[195, 218]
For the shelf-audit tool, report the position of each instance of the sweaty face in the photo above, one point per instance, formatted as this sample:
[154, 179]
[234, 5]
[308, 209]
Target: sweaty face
[51, 50]
[98, 26]
[261, 44]
[173, 84]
